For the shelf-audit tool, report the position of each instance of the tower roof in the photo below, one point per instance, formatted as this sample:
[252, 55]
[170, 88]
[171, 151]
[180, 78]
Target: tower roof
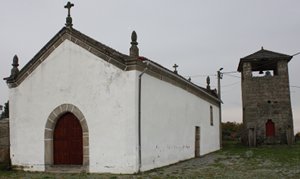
[263, 57]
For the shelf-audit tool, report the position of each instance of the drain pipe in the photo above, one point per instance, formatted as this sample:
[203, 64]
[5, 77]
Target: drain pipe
[139, 118]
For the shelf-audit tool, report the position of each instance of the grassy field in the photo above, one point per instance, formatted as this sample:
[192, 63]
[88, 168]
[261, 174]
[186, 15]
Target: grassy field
[233, 161]
[280, 161]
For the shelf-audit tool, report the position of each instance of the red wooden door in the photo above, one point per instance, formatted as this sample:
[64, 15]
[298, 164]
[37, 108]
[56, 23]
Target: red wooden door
[67, 141]
[270, 128]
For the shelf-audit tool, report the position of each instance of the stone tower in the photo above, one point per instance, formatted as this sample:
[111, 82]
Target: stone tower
[267, 112]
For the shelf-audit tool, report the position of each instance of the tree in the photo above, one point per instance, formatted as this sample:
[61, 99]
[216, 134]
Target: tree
[231, 130]
[5, 113]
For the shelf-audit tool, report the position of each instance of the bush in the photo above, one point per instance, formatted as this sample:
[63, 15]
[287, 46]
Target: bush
[5, 113]
[231, 130]
[297, 136]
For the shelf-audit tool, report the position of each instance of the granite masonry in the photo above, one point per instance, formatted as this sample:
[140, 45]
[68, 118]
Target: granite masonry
[267, 112]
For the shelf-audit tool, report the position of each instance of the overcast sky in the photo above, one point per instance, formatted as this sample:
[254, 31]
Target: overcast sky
[200, 36]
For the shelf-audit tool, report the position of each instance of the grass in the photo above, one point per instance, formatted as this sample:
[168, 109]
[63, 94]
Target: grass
[269, 161]
[233, 161]
[283, 154]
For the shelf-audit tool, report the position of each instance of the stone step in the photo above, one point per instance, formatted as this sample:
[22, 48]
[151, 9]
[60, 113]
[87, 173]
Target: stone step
[67, 169]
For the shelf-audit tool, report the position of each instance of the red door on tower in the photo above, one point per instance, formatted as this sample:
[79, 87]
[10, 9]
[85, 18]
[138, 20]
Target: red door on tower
[270, 128]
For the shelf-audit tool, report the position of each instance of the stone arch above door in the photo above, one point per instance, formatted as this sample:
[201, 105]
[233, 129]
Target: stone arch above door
[49, 129]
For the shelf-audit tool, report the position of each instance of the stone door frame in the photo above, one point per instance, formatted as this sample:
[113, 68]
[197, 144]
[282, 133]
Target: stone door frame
[49, 130]
[197, 141]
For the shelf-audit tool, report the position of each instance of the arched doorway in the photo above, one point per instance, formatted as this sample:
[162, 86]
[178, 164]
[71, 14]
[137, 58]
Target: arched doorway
[270, 128]
[67, 141]
[53, 118]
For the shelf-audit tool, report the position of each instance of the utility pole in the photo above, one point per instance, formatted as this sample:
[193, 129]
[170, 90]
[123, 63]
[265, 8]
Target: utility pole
[220, 76]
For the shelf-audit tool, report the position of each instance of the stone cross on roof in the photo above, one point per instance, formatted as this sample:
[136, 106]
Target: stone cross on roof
[69, 18]
[175, 68]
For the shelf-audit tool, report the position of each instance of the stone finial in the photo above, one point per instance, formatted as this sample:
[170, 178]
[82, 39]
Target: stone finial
[14, 71]
[15, 64]
[262, 48]
[189, 79]
[133, 38]
[175, 66]
[134, 50]
[208, 83]
[69, 18]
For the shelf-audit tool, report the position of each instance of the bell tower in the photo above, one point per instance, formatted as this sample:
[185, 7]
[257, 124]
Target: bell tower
[267, 111]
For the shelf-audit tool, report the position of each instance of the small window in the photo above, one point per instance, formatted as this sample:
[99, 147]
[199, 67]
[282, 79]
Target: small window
[211, 116]
[264, 73]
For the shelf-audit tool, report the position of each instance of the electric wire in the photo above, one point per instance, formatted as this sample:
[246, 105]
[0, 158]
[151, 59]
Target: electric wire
[210, 75]
[229, 72]
[231, 84]
[296, 54]
[293, 86]
[232, 75]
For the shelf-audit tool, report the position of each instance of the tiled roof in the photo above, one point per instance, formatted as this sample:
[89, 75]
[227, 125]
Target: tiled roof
[266, 54]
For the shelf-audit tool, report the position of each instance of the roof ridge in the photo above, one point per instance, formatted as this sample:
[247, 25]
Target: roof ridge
[263, 51]
[97, 43]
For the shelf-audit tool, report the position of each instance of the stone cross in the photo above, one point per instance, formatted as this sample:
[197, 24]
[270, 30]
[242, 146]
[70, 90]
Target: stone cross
[69, 18]
[69, 6]
[175, 68]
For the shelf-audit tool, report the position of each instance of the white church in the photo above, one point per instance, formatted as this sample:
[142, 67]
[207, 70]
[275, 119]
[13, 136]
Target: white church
[78, 104]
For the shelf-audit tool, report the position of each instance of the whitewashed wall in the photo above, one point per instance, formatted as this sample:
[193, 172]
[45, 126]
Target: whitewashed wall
[107, 97]
[104, 94]
[169, 116]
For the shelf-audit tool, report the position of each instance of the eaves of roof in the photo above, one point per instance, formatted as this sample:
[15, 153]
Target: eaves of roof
[263, 55]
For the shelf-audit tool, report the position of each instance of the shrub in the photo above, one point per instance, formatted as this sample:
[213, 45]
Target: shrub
[297, 136]
[5, 113]
[231, 130]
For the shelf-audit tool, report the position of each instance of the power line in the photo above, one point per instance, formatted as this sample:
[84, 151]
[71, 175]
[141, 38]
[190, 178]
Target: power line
[206, 75]
[231, 84]
[294, 86]
[296, 54]
[230, 72]
[232, 75]
[200, 75]
[227, 72]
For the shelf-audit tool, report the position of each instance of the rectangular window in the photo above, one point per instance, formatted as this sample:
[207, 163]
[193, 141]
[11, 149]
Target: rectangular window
[264, 73]
[211, 116]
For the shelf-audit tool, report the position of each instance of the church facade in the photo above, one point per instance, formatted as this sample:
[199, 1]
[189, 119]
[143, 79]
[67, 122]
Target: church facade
[81, 103]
